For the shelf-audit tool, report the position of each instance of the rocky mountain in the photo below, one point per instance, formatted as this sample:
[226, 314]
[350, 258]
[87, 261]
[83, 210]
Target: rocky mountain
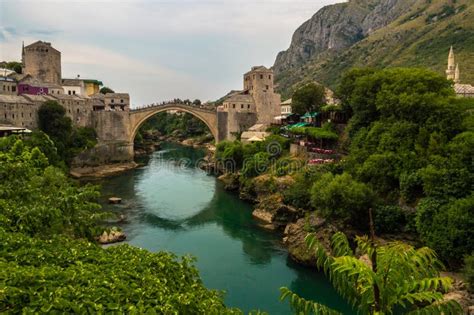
[378, 33]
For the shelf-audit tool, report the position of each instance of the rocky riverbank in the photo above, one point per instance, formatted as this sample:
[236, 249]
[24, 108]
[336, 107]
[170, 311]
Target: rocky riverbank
[265, 192]
[101, 171]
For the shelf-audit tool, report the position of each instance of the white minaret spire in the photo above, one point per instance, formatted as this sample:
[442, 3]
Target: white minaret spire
[451, 71]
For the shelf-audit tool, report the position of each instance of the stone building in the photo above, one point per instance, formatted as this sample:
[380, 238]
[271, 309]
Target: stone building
[257, 103]
[8, 85]
[82, 87]
[453, 73]
[258, 82]
[42, 62]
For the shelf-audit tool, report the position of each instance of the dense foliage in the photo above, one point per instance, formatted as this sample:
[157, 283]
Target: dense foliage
[70, 276]
[39, 200]
[410, 156]
[412, 143]
[48, 264]
[308, 98]
[394, 276]
[468, 271]
[69, 140]
[252, 158]
[15, 66]
[105, 90]
[341, 197]
[181, 126]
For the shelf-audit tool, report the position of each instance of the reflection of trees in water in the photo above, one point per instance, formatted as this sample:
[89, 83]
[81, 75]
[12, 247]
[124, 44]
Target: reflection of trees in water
[176, 152]
[309, 284]
[226, 211]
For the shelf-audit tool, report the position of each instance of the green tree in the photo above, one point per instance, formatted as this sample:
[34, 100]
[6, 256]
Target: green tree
[308, 98]
[393, 276]
[68, 140]
[105, 90]
[15, 66]
[342, 197]
[447, 226]
[468, 271]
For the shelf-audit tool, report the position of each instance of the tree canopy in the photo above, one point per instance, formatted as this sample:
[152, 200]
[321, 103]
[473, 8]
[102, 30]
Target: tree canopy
[105, 90]
[308, 98]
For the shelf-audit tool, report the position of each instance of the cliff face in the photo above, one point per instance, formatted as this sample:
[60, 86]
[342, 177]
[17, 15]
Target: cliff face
[338, 27]
[378, 33]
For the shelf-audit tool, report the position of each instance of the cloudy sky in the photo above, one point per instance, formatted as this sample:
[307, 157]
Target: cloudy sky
[157, 50]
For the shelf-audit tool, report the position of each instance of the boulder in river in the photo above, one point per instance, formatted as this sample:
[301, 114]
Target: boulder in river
[115, 200]
[113, 236]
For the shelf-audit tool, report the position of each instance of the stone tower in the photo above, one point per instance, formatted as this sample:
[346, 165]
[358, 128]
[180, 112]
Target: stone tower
[42, 62]
[452, 72]
[258, 82]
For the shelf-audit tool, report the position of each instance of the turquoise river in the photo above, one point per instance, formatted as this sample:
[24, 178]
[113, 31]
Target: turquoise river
[174, 206]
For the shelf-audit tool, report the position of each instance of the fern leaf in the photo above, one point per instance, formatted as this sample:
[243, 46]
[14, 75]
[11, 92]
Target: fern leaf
[301, 306]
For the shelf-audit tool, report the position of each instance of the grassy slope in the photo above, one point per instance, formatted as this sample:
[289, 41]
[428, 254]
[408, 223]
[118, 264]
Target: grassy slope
[414, 39]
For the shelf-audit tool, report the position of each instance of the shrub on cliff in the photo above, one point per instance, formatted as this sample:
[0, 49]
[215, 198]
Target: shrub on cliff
[446, 226]
[342, 197]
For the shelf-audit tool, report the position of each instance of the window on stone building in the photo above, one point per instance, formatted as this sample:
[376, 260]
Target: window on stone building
[74, 92]
[13, 88]
[13, 115]
[69, 92]
[121, 101]
[112, 101]
[233, 105]
[267, 87]
[261, 76]
[8, 88]
[269, 77]
[248, 106]
[241, 106]
[78, 110]
[4, 87]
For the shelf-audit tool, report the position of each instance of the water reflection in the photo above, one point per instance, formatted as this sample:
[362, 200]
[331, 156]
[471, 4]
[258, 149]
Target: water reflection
[176, 207]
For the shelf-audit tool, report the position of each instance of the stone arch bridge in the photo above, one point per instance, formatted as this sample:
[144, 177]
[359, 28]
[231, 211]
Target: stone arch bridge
[116, 130]
[140, 115]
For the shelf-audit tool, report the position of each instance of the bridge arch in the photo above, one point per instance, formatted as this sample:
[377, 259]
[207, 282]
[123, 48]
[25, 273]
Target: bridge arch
[139, 116]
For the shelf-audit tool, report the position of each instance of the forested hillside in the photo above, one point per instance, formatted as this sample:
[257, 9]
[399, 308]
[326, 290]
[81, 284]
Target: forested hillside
[418, 33]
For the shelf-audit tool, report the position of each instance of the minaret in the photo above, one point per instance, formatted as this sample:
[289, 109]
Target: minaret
[451, 71]
[456, 74]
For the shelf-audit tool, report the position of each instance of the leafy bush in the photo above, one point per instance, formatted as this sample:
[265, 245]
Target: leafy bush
[389, 219]
[256, 165]
[231, 154]
[446, 226]
[468, 271]
[68, 140]
[341, 197]
[299, 193]
[38, 199]
[68, 276]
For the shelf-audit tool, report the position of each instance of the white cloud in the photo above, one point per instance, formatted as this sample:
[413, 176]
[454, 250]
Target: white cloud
[188, 47]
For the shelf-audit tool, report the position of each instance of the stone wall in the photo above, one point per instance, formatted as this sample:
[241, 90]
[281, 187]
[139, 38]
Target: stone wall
[104, 153]
[112, 125]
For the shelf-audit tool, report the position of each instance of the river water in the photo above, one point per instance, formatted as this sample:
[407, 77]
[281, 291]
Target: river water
[176, 207]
